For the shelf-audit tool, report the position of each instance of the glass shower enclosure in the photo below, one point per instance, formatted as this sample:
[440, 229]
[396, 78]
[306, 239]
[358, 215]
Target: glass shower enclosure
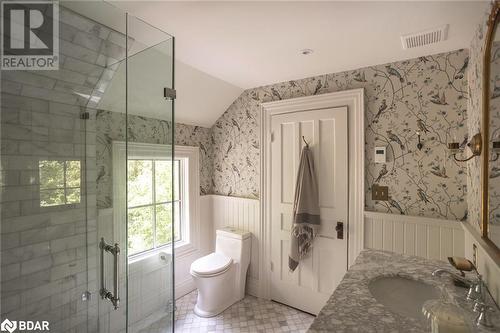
[87, 203]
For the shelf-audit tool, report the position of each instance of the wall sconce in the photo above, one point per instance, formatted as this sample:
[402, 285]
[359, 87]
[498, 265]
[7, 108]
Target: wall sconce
[496, 150]
[475, 145]
[420, 145]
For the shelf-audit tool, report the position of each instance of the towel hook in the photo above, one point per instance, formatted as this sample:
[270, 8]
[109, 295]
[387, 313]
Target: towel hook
[303, 138]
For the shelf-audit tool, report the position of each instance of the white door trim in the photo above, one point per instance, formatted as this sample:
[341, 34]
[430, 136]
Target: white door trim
[354, 100]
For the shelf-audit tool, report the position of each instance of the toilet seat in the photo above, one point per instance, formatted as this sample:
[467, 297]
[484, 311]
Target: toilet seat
[210, 265]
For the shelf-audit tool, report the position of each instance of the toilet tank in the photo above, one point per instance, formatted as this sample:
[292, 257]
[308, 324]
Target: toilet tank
[234, 243]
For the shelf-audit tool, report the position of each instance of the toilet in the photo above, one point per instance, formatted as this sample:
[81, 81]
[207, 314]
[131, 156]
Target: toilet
[221, 276]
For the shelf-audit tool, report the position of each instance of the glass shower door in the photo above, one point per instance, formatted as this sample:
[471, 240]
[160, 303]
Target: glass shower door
[134, 126]
[150, 208]
[86, 178]
[54, 202]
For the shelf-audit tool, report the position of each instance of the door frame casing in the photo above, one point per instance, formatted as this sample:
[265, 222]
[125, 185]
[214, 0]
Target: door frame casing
[354, 101]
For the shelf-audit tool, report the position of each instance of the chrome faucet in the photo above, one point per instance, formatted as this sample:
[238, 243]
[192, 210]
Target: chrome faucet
[482, 319]
[476, 290]
[461, 278]
[476, 287]
[476, 294]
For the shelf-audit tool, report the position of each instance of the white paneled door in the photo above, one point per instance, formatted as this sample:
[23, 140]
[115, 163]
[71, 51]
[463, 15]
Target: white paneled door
[326, 130]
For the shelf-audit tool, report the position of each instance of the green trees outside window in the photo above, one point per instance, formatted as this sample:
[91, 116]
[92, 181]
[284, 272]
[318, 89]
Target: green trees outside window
[150, 203]
[60, 182]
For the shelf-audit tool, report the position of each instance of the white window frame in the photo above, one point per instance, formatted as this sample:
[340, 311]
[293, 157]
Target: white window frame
[190, 221]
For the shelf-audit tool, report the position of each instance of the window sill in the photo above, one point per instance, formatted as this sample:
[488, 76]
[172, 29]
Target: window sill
[181, 249]
[149, 254]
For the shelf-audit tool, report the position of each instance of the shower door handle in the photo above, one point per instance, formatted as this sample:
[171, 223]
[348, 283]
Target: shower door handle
[105, 293]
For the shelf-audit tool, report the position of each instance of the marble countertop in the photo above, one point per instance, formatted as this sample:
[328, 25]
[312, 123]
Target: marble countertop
[352, 308]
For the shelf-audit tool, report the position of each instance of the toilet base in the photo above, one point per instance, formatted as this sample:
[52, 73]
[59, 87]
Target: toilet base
[208, 314]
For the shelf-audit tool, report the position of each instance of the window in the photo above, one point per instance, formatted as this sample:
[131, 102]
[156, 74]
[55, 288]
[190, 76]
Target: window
[60, 182]
[145, 199]
[150, 203]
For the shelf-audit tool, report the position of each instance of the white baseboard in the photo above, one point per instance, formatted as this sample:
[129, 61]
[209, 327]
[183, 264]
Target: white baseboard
[185, 287]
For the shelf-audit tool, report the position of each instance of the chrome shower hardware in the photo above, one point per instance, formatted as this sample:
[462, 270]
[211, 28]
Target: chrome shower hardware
[105, 293]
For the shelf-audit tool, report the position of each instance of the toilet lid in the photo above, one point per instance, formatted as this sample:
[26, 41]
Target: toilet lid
[211, 264]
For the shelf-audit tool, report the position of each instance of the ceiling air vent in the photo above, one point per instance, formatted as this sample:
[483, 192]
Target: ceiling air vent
[426, 37]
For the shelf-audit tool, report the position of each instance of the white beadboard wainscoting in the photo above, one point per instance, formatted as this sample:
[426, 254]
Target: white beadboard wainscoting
[414, 235]
[241, 213]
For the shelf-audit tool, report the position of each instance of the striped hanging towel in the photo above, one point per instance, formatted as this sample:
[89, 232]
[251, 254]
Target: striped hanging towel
[306, 213]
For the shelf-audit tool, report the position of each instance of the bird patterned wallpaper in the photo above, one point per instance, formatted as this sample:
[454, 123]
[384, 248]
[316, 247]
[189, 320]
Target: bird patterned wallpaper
[428, 94]
[474, 108]
[110, 126]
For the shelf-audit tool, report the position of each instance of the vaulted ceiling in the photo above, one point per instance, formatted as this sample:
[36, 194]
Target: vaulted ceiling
[229, 46]
[255, 43]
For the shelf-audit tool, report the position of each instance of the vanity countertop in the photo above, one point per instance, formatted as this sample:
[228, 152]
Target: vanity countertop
[352, 308]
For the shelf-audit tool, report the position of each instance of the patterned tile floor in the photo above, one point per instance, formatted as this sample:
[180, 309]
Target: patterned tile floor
[249, 315]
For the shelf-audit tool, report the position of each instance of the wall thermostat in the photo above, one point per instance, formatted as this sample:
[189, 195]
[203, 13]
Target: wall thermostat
[380, 155]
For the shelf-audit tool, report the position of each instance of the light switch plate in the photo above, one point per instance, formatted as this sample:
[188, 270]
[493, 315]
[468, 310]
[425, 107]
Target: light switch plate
[380, 155]
[380, 193]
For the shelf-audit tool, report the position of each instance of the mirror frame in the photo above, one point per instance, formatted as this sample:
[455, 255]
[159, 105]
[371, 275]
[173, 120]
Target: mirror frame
[493, 21]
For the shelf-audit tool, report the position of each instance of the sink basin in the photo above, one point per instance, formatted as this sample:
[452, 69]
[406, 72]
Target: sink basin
[401, 295]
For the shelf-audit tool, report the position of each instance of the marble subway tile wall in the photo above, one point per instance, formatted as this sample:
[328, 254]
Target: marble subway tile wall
[44, 249]
[427, 94]
[45, 264]
[111, 127]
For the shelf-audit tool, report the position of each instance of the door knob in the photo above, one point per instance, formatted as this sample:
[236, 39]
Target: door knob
[340, 230]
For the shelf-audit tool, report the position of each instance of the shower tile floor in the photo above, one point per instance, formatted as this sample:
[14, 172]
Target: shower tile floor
[249, 315]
